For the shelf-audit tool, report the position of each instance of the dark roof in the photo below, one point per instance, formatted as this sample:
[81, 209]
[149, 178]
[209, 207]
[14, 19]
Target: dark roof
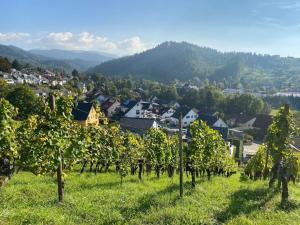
[129, 103]
[162, 110]
[136, 125]
[209, 119]
[181, 110]
[145, 105]
[263, 121]
[108, 103]
[240, 118]
[81, 111]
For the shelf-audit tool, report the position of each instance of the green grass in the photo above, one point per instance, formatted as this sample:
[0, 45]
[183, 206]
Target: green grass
[100, 199]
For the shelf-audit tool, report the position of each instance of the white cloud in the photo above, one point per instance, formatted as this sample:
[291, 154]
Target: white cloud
[75, 41]
[133, 45]
[60, 37]
[13, 36]
[89, 41]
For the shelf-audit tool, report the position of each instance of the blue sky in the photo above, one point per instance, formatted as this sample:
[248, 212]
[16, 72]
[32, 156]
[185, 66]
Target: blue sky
[128, 26]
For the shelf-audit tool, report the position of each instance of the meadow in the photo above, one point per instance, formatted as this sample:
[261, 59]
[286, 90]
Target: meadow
[101, 199]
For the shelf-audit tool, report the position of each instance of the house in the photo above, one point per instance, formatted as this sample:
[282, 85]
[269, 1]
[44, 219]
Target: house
[188, 116]
[132, 109]
[85, 114]
[212, 121]
[241, 121]
[215, 123]
[137, 109]
[137, 125]
[110, 107]
[167, 112]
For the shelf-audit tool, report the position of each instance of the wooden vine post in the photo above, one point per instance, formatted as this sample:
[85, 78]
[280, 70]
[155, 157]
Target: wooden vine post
[180, 156]
[60, 181]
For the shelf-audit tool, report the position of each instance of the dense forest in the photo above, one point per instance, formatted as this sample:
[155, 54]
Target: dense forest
[183, 61]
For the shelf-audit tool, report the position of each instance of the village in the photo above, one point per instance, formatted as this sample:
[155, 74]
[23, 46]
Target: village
[140, 115]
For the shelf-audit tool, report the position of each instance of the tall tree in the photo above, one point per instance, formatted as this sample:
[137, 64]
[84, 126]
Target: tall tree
[16, 65]
[5, 65]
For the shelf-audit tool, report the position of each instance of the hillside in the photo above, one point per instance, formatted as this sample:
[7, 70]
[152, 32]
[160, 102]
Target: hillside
[184, 61]
[55, 59]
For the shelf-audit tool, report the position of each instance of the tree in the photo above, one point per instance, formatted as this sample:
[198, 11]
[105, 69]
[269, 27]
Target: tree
[5, 65]
[23, 98]
[244, 103]
[4, 89]
[75, 73]
[16, 65]
[279, 138]
[169, 93]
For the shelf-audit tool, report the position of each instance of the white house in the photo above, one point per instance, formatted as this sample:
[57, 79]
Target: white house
[241, 121]
[132, 109]
[188, 116]
[167, 113]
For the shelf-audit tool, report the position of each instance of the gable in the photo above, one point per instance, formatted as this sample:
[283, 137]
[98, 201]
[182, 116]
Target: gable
[220, 123]
[190, 114]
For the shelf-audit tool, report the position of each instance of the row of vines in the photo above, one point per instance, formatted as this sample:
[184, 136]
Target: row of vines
[277, 159]
[42, 142]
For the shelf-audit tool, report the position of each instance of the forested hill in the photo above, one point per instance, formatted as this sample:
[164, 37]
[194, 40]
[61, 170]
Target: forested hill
[183, 61]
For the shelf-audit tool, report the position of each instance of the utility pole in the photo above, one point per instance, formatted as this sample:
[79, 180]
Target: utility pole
[180, 156]
[60, 181]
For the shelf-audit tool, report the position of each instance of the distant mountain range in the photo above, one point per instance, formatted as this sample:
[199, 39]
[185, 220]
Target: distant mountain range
[55, 58]
[183, 61]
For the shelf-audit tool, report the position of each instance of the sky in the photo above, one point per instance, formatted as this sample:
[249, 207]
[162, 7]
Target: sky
[124, 27]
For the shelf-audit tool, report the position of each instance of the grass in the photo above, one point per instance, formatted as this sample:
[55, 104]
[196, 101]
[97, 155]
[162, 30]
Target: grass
[100, 199]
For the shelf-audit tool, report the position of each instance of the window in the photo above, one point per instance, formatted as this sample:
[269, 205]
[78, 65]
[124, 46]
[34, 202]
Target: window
[187, 117]
[137, 112]
[185, 122]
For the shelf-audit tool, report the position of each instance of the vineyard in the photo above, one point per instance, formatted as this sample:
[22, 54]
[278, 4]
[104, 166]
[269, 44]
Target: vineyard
[53, 143]
[104, 175]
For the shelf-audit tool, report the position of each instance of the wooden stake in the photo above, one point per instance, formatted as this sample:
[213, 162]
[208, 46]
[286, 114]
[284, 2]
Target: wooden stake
[60, 180]
[180, 156]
